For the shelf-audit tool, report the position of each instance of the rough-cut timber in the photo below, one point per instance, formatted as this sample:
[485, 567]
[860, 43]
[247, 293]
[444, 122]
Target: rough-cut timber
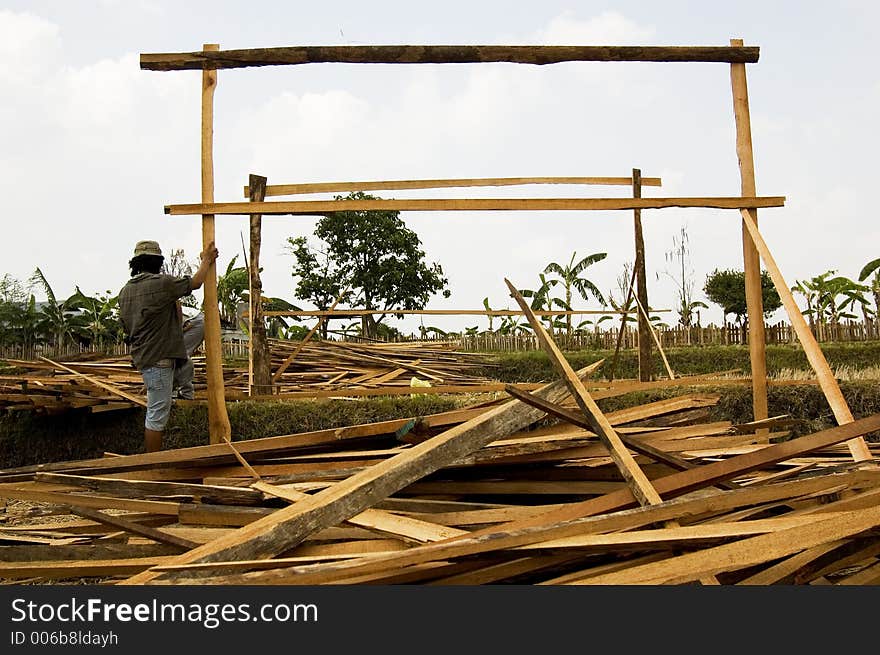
[378, 185]
[218, 420]
[290, 526]
[441, 54]
[318, 207]
[634, 476]
[751, 261]
[827, 381]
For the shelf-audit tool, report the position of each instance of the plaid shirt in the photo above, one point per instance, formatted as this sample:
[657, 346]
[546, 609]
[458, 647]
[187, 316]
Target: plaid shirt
[150, 317]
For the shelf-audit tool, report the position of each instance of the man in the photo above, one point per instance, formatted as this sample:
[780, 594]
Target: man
[151, 319]
[193, 335]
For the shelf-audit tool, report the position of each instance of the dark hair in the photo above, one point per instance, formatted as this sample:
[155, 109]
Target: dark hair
[146, 264]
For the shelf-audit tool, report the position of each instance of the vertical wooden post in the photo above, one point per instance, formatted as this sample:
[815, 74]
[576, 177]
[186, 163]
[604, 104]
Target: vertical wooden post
[645, 367]
[259, 372]
[218, 421]
[751, 261]
[827, 382]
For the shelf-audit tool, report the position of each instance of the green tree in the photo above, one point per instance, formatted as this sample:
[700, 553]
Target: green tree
[570, 276]
[12, 301]
[320, 277]
[18, 314]
[377, 257]
[727, 289]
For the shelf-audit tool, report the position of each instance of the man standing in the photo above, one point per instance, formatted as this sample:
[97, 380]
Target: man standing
[151, 320]
[193, 335]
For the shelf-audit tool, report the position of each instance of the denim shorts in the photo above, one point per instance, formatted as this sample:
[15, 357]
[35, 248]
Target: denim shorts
[159, 381]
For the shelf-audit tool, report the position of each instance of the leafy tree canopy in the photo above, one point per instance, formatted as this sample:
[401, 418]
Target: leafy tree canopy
[728, 289]
[372, 254]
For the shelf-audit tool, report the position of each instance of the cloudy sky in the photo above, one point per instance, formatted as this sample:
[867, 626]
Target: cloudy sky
[93, 147]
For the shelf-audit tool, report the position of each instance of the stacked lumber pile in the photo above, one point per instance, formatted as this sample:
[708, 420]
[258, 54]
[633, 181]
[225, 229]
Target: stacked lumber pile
[500, 492]
[326, 366]
[318, 369]
[54, 387]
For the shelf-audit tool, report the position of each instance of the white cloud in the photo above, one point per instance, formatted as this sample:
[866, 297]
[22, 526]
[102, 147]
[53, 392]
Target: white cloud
[608, 28]
[29, 46]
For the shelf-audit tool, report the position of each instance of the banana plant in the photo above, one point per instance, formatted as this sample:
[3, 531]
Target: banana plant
[542, 300]
[874, 284]
[232, 289]
[488, 309]
[100, 315]
[60, 320]
[571, 279]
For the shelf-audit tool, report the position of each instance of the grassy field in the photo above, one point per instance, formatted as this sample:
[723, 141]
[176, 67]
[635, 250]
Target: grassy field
[787, 362]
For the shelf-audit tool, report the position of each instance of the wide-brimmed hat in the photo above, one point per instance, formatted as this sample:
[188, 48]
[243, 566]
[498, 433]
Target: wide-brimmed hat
[147, 248]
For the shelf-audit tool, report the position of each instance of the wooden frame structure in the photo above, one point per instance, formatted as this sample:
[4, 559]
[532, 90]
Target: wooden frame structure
[260, 379]
[211, 58]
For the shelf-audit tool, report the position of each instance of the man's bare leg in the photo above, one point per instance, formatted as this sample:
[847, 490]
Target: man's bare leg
[152, 440]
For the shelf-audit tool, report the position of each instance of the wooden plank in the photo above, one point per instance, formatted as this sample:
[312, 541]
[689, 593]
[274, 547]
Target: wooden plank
[741, 554]
[60, 570]
[789, 566]
[6, 537]
[141, 489]
[381, 185]
[824, 374]
[511, 487]
[138, 400]
[97, 502]
[869, 575]
[217, 515]
[95, 551]
[259, 363]
[504, 570]
[690, 537]
[376, 519]
[122, 523]
[440, 54]
[218, 420]
[523, 532]
[384, 391]
[319, 207]
[346, 313]
[632, 474]
[636, 444]
[751, 261]
[287, 527]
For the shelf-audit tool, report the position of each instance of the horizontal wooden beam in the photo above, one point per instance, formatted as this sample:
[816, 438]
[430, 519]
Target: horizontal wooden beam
[318, 207]
[441, 54]
[343, 313]
[326, 187]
